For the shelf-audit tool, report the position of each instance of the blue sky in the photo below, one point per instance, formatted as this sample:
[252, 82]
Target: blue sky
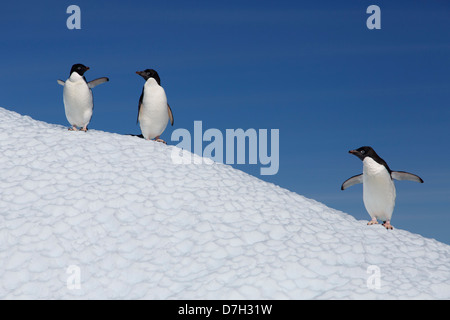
[310, 69]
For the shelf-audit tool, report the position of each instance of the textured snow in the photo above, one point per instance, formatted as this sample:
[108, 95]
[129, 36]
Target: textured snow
[139, 226]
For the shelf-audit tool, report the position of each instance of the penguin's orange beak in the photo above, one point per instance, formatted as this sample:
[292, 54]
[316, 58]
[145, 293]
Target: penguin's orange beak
[353, 152]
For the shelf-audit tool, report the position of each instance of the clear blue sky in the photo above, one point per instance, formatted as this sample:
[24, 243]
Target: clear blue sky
[310, 69]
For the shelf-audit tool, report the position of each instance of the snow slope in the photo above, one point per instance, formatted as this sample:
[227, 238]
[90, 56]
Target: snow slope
[136, 225]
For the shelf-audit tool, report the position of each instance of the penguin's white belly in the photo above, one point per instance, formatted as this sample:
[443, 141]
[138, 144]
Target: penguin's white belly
[378, 190]
[153, 115]
[78, 103]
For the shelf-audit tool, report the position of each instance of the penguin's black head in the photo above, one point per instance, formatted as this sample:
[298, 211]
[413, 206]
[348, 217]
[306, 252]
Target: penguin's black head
[364, 152]
[149, 73]
[79, 68]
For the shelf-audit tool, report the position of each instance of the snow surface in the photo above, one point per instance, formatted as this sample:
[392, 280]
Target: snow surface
[139, 226]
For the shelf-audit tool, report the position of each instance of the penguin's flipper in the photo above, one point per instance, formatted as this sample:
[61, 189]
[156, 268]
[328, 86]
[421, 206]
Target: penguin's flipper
[60, 82]
[96, 82]
[170, 114]
[402, 175]
[141, 98]
[352, 181]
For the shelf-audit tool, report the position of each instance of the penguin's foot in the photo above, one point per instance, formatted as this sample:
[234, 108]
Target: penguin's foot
[373, 221]
[73, 128]
[84, 129]
[157, 139]
[387, 225]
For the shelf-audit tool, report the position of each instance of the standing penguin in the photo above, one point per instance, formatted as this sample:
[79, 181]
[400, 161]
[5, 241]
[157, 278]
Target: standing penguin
[378, 185]
[77, 95]
[154, 112]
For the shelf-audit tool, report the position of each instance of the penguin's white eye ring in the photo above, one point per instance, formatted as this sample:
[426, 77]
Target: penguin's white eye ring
[362, 152]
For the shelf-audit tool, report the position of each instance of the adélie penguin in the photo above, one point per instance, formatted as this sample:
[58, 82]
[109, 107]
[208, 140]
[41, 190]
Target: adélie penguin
[77, 96]
[154, 112]
[378, 185]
